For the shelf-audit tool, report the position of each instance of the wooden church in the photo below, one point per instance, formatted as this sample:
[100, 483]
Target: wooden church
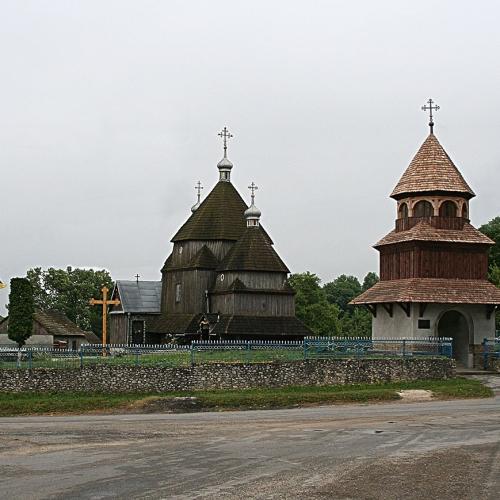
[223, 269]
[434, 263]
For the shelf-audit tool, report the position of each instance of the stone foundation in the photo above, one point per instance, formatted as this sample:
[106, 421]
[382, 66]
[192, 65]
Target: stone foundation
[320, 372]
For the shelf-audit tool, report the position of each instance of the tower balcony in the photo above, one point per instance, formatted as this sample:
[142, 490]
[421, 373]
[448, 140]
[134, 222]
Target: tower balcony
[436, 221]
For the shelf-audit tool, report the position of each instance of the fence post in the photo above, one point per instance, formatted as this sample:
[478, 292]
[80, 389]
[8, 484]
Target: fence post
[80, 353]
[304, 344]
[249, 352]
[404, 348]
[192, 354]
[30, 360]
[485, 353]
[137, 357]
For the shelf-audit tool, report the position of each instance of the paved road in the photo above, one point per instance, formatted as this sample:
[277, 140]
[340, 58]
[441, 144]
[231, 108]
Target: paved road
[448, 450]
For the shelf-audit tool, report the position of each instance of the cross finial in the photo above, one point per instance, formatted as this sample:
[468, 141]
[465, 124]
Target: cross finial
[198, 188]
[225, 134]
[431, 107]
[137, 278]
[253, 188]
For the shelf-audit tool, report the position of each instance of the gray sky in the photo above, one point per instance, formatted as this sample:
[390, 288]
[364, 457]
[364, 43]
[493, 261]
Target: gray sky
[109, 113]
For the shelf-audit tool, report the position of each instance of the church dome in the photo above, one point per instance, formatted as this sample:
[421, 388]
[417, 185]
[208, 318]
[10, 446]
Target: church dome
[252, 212]
[195, 207]
[225, 163]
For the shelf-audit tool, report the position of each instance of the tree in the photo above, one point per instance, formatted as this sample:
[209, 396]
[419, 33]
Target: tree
[69, 291]
[358, 323]
[492, 230]
[311, 305]
[370, 279]
[21, 310]
[342, 290]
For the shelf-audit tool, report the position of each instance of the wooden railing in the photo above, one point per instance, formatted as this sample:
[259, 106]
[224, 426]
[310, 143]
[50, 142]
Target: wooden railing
[439, 222]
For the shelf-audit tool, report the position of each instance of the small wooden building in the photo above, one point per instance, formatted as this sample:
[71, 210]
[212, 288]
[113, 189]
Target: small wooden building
[52, 329]
[434, 263]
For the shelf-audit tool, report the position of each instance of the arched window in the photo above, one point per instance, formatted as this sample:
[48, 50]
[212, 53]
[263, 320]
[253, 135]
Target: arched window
[448, 209]
[465, 212]
[423, 209]
[403, 211]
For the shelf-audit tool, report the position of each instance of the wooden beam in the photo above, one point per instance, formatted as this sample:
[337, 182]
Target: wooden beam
[406, 306]
[388, 308]
[422, 308]
[372, 308]
[490, 309]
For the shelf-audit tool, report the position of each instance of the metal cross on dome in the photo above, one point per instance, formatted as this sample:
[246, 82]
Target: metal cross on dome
[225, 134]
[253, 188]
[430, 107]
[198, 188]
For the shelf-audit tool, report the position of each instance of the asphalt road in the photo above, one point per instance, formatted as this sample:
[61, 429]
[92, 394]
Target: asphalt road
[443, 450]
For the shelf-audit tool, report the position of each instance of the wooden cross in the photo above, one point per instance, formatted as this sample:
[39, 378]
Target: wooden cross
[198, 188]
[430, 108]
[253, 188]
[2, 284]
[137, 276]
[105, 303]
[225, 134]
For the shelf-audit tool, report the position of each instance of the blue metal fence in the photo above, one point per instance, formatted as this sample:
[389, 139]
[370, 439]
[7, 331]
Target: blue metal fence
[491, 351]
[238, 351]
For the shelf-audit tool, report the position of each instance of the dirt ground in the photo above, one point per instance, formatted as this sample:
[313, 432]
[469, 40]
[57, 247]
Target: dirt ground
[437, 449]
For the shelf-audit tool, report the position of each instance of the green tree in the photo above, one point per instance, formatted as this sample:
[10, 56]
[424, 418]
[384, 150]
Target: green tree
[312, 307]
[370, 279]
[492, 230]
[342, 290]
[358, 323]
[21, 310]
[69, 291]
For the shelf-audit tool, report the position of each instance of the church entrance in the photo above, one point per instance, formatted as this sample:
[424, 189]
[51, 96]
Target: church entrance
[454, 324]
[137, 332]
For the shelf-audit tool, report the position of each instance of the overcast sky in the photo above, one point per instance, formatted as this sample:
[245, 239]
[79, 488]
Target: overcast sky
[109, 113]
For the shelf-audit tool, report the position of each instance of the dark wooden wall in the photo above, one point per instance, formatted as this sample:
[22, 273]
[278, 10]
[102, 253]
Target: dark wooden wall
[424, 260]
[118, 328]
[255, 304]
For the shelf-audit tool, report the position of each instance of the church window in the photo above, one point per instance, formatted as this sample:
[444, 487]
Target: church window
[180, 250]
[465, 213]
[403, 211]
[448, 209]
[222, 277]
[178, 292]
[423, 209]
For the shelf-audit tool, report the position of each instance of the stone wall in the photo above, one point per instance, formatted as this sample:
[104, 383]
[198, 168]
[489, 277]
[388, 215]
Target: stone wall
[319, 372]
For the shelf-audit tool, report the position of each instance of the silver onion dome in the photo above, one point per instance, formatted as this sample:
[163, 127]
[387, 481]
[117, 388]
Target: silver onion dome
[252, 212]
[195, 207]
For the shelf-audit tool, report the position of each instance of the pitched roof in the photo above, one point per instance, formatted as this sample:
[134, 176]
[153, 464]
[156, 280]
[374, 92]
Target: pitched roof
[431, 170]
[139, 297]
[253, 252]
[423, 231]
[173, 323]
[219, 217]
[437, 290]
[261, 326]
[202, 259]
[56, 323]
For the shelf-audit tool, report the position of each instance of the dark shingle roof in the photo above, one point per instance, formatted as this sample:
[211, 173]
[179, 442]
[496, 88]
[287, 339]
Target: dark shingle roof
[253, 252]
[425, 232]
[56, 323]
[140, 297]
[203, 259]
[261, 326]
[433, 290]
[219, 217]
[431, 170]
[173, 323]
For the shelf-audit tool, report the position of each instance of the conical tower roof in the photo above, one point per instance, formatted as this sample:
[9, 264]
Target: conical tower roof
[431, 170]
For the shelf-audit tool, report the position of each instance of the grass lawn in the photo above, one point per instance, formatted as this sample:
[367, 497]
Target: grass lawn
[63, 403]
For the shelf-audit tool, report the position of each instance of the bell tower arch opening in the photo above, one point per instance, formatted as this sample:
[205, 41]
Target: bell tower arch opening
[455, 325]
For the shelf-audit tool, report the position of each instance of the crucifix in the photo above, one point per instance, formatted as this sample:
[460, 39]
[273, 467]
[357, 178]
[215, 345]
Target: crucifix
[105, 303]
[253, 188]
[198, 188]
[430, 108]
[137, 276]
[225, 134]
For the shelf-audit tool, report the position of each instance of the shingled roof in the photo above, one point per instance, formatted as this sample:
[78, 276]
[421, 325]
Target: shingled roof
[431, 170]
[139, 296]
[260, 326]
[253, 252]
[423, 231]
[431, 290]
